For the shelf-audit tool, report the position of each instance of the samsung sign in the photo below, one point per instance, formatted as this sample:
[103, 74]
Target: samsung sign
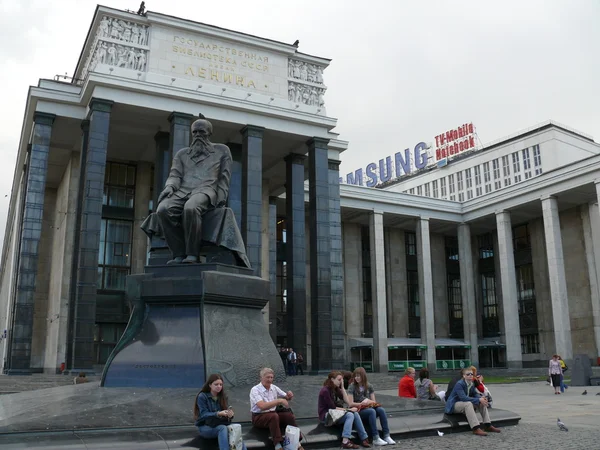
[387, 169]
[448, 145]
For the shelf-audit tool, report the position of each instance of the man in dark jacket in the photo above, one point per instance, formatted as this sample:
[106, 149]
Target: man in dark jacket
[463, 399]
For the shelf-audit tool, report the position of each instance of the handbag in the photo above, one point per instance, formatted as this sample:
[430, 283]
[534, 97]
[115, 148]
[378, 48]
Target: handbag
[334, 416]
[214, 421]
[234, 433]
[281, 408]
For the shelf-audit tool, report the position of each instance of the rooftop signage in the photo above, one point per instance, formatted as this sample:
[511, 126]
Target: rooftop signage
[447, 146]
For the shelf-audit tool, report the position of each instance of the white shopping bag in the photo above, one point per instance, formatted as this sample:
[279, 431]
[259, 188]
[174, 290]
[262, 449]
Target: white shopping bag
[234, 431]
[291, 440]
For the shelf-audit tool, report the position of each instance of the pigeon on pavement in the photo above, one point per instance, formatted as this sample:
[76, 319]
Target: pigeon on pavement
[440, 433]
[561, 426]
[584, 392]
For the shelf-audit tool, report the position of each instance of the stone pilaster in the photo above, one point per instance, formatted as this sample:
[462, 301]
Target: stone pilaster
[558, 281]
[508, 280]
[295, 253]
[426, 291]
[252, 140]
[467, 291]
[592, 255]
[337, 269]
[21, 332]
[179, 134]
[320, 259]
[378, 292]
[162, 165]
[84, 317]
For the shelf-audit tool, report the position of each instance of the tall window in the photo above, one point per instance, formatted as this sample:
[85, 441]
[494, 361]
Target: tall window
[516, 167]
[119, 185]
[537, 160]
[521, 238]
[506, 170]
[496, 167]
[455, 312]
[443, 186]
[530, 343]
[434, 187]
[486, 246]
[414, 311]
[366, 273]
[114, 257]
[487, 179]
[526, 164]
[452, 248]
[468, 178]
[281, 293]
[478, 187]
[459, 180]
[451, 183]
[411, 191]
[419, 190]
[427, 192]
[490, 305]
[411, 243]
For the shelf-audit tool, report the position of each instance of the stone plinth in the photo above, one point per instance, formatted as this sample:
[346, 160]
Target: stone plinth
[192, 320]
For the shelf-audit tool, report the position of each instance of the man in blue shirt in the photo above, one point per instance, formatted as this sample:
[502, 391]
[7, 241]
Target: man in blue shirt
[464, 399]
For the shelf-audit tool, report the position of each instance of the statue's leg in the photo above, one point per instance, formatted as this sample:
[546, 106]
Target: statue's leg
[169, 213]
[193, 210]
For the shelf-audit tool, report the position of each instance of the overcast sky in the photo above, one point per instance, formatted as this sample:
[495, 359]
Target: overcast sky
[402, 71]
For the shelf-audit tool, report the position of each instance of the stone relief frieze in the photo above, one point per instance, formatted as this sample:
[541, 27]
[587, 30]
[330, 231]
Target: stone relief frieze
[309, 95]
[110, 45]
[305, 83]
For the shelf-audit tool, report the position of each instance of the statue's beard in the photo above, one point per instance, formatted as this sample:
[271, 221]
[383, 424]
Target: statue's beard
[200, 144]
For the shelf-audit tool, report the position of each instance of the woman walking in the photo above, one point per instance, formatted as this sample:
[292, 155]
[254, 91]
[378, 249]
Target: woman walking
[555, 372]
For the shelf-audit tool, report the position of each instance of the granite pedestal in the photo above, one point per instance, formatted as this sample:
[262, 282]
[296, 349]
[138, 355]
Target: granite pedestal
[191, 320]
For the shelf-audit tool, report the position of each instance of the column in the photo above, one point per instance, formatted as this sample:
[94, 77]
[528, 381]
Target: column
[338, 338]
[19, 352]
[295, 256]
[508, 279]
[252, 142]
[590, 220]
[84, 316]
[180, 134]
[273, 267]
[378, 293]
[320, 259]
[558, 281]
[467, 291]
[426, 291]
[159, 252]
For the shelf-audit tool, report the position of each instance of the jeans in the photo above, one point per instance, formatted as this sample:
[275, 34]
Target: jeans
[370, 415]
[219, 432]
[563, 386]
[353, 419]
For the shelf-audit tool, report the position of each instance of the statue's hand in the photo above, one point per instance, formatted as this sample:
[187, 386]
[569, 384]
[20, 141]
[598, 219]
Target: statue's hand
[221, 204]
[167, 192]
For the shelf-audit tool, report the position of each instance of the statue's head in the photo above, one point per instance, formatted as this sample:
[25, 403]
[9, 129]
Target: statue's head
[201, 128]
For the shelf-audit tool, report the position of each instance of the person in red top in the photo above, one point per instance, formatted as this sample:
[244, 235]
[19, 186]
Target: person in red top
[406, 386]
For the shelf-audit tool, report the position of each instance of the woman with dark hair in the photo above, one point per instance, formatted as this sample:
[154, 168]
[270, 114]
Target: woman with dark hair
[333, 388]
[211, 413]
[425, 387]
[555, 372]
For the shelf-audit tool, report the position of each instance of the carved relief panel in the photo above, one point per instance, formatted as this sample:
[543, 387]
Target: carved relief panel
[305, 83]
[119, 43]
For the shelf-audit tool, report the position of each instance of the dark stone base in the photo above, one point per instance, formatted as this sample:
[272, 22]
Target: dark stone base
[192, 320]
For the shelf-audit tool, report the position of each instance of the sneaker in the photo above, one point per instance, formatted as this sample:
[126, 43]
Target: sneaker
[349, 444]
[366, 444]
[378, 441]
[389, 440]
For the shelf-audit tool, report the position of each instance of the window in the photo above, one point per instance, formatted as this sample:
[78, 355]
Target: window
[453, 198]
[486, 246]
[521, 238]
[488, 290]
[427, 192]
[411, 243]
[412, 190]
[455, 313]
[516, 167]
[525, 286]
[119, 185]
[443, 186]
[537, 160]
[452, 248]
[530, 343]
[506, 170]
[526, 164]
[419, 190]
[451, 183]
[459, 180]
[468, 178]
[434, 187]
[281, 269]
[366, 276]
[114, 256]
[496, 167]
[106, 336]
[478, 188]
[414, 309]
[461, 197]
